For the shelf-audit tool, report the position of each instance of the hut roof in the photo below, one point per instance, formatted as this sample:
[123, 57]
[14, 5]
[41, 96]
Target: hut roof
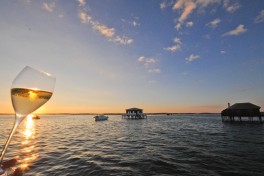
[244, 106]
[134, 109]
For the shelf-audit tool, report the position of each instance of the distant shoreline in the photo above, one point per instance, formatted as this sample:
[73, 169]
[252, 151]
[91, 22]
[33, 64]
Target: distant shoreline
[161, 113]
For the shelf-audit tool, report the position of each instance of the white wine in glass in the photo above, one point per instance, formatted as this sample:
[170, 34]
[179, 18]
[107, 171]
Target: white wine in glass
[30, 90]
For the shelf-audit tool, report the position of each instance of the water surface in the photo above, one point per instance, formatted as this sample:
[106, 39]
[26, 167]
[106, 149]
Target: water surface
[159, 145]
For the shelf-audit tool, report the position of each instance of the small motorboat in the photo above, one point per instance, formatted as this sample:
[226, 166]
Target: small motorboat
[100, 117]
[35, 117]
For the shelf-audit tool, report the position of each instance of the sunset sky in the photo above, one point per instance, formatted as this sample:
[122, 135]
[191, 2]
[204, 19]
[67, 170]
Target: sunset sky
[161, 56]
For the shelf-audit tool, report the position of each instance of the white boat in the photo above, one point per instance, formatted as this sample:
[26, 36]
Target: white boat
[35, 117]
[100, 117]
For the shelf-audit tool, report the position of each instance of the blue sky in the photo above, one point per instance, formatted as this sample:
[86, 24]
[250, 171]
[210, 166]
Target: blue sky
[162, 56]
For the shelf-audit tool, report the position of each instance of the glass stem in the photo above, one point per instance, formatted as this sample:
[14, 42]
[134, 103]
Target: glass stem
[16, 124]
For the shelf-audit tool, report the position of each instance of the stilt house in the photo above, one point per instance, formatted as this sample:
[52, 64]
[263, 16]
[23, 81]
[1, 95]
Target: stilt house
[241, 110]
[134, 113]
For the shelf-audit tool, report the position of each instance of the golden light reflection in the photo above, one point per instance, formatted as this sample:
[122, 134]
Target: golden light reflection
[23, 166]
[29, 129]
[25, 142]
[31, 158]
[28, 154]
[28, 149]
[32, 95]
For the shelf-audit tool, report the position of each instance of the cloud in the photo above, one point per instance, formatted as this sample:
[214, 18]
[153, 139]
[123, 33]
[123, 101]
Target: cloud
[84, 17]
[223, 52]
[260, 17]
[48, 6]
[149, 64]
[192, 57]
[104, 30]
[231, 7]
[189, 24]
[132, 22]
[188, 6]
[176, 46]
[122, 40]
[214, 23]
[147, 61]
[178, 26]
[177, 40]
[154, 70]
[239, 30]
[141, 59]
[173, 48]
[163, 5]
[81, 2]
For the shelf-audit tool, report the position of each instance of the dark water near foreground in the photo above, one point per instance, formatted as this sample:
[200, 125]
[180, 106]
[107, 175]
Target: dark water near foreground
[160, 145]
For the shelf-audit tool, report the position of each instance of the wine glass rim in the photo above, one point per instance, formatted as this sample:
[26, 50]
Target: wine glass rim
[39, 70]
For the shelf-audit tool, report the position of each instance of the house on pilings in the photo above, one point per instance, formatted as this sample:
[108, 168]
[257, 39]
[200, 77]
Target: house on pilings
[240, 112]
[134, 113]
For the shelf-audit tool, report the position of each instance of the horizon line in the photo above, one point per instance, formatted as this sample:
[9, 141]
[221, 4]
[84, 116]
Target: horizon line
[110, 113]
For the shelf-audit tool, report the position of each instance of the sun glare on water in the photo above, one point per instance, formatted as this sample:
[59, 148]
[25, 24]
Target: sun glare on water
[29, 129]
[28, 154]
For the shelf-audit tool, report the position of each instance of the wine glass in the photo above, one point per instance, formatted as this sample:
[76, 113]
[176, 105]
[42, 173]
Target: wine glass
[30, 90]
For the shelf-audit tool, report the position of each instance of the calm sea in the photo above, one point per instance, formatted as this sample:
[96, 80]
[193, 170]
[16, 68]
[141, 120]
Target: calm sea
[188, 145]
